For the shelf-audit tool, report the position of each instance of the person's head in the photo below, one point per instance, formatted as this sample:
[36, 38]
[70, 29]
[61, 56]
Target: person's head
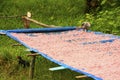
[85, 25]
[19, 57]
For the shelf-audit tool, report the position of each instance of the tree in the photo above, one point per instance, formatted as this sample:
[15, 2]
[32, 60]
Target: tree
[93, 6]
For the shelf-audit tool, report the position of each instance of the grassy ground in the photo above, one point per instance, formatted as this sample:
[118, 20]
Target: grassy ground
[9, 68]
[55, 12]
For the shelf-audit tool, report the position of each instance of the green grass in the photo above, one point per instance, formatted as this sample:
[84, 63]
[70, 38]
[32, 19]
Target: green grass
[55, 12]
[9, 68]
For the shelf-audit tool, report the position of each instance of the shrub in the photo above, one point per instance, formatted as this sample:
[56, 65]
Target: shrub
[107, 21]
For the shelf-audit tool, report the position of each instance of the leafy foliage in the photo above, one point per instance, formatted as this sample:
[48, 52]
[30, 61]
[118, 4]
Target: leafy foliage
[105, 21]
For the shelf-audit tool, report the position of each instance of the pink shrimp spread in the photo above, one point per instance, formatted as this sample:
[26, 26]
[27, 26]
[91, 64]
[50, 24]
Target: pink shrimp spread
[85, 51]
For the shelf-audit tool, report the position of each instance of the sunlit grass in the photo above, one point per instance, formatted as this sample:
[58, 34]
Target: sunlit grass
[9, 68]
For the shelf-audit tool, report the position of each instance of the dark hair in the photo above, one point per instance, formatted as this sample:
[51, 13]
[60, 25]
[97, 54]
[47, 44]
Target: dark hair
[19, 57]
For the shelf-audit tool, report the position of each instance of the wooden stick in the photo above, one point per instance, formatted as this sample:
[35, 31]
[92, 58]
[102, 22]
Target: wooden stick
[32, 54]
[32, 66]
[26, 22]
[38, 23]
[83, 76]
[16, 16]
[17, 45]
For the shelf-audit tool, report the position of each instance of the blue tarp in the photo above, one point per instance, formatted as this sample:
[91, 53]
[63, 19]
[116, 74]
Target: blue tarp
[39, 30]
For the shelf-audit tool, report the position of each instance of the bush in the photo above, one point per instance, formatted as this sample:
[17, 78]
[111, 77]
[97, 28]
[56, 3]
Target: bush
[107, 21]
